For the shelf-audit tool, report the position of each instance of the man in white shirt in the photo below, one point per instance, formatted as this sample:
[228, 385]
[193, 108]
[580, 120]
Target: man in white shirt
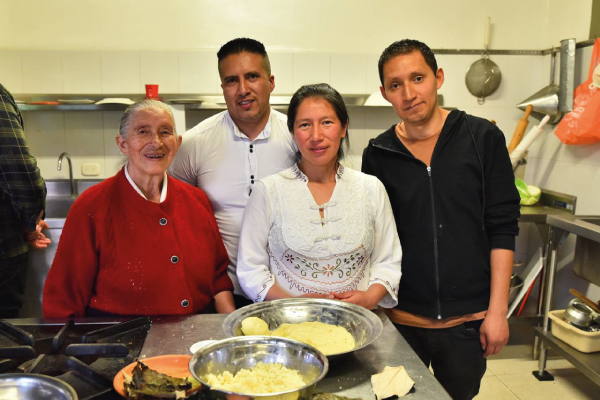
[227, 154]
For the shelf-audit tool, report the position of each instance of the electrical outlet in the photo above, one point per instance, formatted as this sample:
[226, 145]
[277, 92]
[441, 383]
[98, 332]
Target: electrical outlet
[90, 169]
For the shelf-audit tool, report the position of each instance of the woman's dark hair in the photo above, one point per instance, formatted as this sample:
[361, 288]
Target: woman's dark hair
[329, 94]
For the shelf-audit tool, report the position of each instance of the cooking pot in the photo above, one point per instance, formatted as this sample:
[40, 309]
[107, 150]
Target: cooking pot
[580, 314]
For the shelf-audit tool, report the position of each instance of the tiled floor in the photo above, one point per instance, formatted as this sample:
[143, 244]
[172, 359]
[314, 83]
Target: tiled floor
[509, 374]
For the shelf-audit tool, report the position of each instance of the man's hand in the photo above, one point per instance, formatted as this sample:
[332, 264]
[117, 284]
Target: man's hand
[493, 333]
[36, 238]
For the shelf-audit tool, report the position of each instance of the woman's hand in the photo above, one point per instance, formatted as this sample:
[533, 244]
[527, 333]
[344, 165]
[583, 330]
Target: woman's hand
[367, 299]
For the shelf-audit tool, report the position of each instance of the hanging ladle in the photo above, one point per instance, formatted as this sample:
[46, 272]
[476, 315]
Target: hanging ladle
[483, 76]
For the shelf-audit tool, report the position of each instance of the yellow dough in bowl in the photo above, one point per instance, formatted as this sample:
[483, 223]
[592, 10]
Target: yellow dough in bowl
[255, 326]
[330, 339]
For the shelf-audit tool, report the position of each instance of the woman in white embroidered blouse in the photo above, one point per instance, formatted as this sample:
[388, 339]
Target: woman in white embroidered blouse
[319, 229]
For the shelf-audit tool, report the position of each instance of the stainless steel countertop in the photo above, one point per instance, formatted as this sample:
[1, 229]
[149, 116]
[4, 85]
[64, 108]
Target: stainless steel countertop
[349, 375]
[587, 226]
[538, 214]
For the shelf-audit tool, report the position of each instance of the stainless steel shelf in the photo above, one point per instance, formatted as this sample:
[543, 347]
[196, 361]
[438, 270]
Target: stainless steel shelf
[587, 363]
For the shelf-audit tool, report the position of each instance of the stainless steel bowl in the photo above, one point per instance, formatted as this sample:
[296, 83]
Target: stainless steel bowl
[34, 387]
[579, 314]
[236, 353]
[362, 324]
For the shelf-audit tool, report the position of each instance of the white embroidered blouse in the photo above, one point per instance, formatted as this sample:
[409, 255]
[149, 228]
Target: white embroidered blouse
[285, 241]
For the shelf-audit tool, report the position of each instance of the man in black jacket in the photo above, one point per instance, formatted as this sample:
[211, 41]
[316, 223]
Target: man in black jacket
[451, 185]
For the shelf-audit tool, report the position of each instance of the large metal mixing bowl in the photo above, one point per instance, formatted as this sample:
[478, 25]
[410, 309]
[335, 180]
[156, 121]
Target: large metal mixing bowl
[34, 387]
[236, 353]
[362, 324]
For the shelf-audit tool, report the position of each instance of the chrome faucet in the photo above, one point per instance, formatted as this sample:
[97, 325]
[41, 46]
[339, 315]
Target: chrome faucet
[58, 167]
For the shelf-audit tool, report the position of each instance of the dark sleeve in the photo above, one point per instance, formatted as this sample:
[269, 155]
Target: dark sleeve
[366, 166]
[20, 178]
[502, 208]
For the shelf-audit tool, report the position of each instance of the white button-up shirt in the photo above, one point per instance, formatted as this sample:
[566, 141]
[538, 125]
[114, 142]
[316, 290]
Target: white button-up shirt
[285, 241]
[216, 157]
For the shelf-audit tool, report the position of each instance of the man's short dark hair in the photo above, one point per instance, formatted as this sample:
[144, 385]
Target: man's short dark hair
[241, 45]
[406, 46]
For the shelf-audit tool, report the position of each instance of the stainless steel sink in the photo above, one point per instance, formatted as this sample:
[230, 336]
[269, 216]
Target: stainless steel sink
[58, 206]
[59, 199]
[586, 260]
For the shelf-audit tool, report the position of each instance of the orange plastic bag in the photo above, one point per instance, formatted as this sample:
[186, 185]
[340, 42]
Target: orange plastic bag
[582, 125]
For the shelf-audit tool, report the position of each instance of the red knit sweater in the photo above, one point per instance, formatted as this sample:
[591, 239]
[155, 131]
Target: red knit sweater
[121, 254]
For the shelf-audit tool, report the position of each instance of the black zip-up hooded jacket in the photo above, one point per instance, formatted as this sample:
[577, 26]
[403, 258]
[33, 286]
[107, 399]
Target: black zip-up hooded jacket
[449, 215]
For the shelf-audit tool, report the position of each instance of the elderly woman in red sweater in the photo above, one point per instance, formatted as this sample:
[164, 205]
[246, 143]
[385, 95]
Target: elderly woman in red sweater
[141, 242]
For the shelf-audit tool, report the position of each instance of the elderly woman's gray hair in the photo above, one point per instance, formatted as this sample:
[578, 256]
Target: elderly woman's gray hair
[130, 112]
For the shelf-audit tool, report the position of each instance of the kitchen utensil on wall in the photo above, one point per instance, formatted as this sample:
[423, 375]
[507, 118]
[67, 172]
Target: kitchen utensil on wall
[520, 129]
[545, 101]
[483, 76]
[585, 299]
[520, 151]
[567, 75]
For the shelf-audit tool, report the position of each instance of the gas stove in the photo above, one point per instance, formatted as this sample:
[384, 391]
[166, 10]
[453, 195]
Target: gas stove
[85, 355]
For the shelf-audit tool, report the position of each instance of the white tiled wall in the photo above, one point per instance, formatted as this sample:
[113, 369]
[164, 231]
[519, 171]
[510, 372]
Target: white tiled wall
[160, 68]
[11, 70]
[42, 72]
[121, 72]
[82, 72]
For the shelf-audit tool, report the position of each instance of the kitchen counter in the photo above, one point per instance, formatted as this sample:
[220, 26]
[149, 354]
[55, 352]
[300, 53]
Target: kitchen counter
[349, 375]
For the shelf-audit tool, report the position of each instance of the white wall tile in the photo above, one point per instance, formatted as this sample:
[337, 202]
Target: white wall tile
[373, 82]
[110, 130]
[454, 89]
[349, 73]
[588, 154]
[45, 133]
[199, 73]
[11, 71]
[311, 68]
[85, 140]
[282, 68]
[525, 76]
[357, 133]
[81, 72]
[121, 72]
[42, 72]
[113, 159]
[160, 68]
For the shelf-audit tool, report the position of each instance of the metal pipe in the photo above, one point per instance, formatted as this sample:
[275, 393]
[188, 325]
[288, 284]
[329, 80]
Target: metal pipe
[59, 166]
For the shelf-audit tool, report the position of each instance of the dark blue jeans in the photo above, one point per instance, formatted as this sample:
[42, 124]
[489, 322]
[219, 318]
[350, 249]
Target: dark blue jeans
[455, 355]
[13, 276]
